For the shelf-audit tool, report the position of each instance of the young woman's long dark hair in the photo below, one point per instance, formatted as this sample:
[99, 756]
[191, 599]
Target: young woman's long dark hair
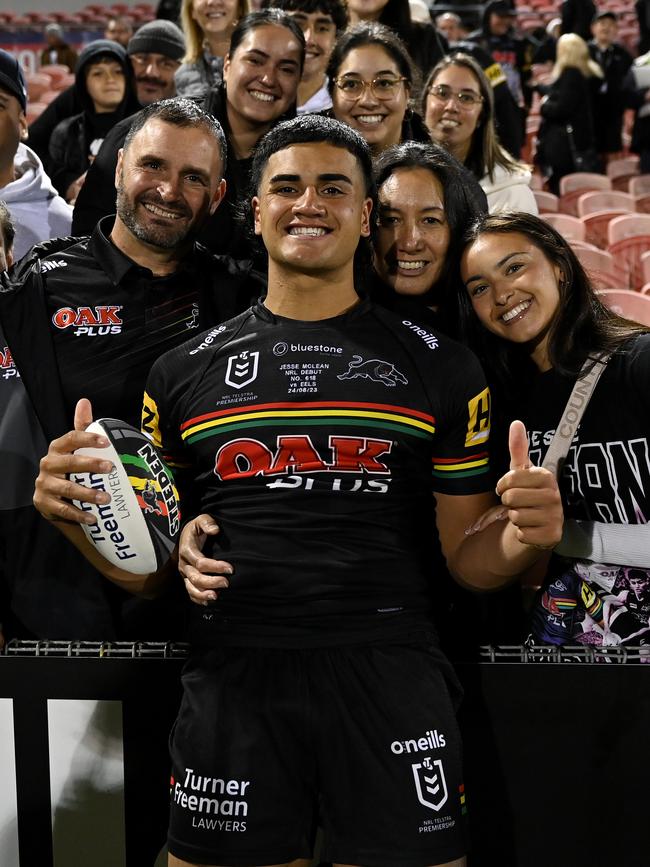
[583, 327]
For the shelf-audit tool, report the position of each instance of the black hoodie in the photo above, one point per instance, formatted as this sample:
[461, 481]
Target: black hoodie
[76, 140]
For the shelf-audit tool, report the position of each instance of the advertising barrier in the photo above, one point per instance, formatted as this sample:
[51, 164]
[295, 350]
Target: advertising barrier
[556, 755]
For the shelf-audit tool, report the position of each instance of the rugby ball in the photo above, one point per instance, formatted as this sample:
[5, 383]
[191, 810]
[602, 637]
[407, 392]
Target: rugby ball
[138, 529]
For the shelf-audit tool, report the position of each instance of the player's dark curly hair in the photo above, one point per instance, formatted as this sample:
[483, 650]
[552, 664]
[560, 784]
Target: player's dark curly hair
[314, 128]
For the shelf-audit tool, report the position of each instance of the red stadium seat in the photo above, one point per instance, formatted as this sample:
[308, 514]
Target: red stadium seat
[37, 84]
[645, 266]
[574, 185]
[621, 171]
[34, 110]
[605, 200]
[56, 71]
[628, 239]
[639, 185]
[548, 203]
[597, 208]
[642, 203]
[598, 264]
[631, 305]
[570, 227]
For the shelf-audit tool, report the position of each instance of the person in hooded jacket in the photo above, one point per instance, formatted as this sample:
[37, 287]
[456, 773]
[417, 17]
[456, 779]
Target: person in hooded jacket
[37, 211]
[104, 88]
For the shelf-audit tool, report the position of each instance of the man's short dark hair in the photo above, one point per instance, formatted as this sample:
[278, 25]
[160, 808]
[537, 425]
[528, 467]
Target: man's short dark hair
[7, 229]
[309, 128]
[182, 113]
[336, 9]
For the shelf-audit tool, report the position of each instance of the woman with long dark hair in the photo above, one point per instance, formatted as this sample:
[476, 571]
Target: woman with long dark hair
[371, 80]
[530, 312]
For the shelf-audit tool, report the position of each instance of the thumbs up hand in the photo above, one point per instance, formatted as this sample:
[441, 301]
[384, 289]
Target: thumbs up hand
[531, 495]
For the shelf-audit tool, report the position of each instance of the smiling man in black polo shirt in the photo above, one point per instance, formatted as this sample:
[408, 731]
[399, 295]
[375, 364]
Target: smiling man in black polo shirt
[89, 316]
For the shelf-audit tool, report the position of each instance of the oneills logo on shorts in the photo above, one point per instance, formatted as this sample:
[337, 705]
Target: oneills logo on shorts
[89, 321]
[242, 369]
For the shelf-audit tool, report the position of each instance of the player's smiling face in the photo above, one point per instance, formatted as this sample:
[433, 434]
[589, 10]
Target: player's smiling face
[168, 181]
[413, 235]
[262, 75]
[514, 289]
[311, 209]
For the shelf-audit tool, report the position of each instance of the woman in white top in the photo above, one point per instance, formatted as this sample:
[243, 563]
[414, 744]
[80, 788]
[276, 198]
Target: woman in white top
[458, 109]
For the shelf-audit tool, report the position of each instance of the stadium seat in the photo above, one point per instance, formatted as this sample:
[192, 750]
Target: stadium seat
[642, 203]
[548, 203]
[49, 96]
[570, 227]
[628, 239]
[645, 266]
[639, 185]
[574, 185]
[37, 84]
[536, 182]
[621, 171]
[631, 305]
[605, 200]
[34, 110]
[598, 264]
[597, 208]
[56, 71]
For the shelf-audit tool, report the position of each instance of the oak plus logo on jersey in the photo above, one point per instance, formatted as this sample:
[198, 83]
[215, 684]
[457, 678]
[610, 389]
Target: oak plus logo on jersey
[98, 321]
[8, 368]
[242, 369]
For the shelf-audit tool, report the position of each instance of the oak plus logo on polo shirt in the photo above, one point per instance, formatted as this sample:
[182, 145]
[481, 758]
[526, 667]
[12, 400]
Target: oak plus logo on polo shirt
[7, 366]
[97, 321]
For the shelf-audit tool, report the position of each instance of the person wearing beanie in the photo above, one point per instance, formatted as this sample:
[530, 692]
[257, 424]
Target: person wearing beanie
[156, 51]
[57, 50]
[104, 89]
[38, 213]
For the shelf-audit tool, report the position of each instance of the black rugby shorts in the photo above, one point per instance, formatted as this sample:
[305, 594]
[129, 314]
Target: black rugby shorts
[269, 742]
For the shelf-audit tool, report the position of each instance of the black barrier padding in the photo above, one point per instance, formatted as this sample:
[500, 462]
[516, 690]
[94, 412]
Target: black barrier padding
[558, 764]
[149, 690]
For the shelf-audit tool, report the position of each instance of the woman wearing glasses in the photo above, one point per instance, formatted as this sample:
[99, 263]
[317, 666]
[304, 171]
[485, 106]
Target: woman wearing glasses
[458, 109]
[371, 79]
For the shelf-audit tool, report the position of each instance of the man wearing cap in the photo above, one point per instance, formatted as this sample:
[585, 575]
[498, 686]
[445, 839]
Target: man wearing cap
[513, 53]
[57, 50]
[615, 61]
[36, 210]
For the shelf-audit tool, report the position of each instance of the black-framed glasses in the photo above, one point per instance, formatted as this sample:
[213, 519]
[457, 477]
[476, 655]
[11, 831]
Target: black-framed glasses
[463, 98]
[383, 87]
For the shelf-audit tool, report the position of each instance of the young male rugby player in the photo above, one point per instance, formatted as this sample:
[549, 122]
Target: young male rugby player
[314, 428]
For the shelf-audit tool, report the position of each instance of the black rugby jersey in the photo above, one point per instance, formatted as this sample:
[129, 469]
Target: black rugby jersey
[110, 318]
[316, 446]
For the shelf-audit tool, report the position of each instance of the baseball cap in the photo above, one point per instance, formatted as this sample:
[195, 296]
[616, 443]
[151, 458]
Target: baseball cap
[12, 78]
[502, 8]
[605, 13]
[158, 37]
